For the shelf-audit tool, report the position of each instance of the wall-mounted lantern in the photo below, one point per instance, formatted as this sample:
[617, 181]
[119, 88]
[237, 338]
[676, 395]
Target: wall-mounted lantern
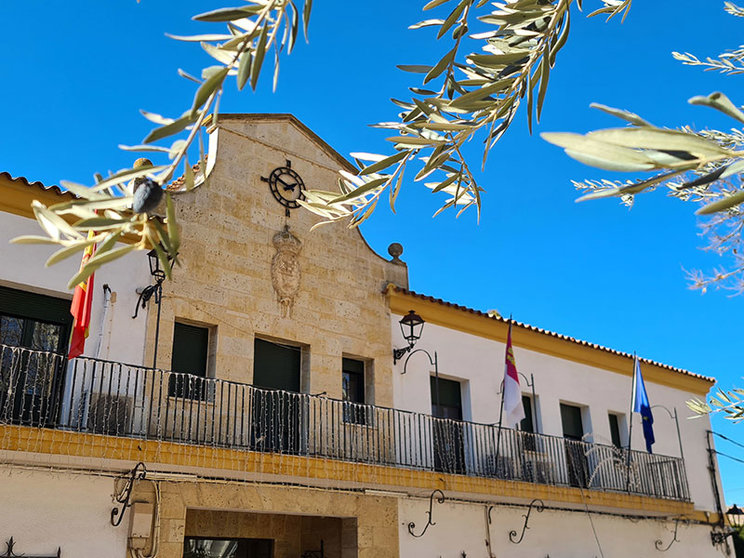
[155, 269]
[411, 326]
[735, 517]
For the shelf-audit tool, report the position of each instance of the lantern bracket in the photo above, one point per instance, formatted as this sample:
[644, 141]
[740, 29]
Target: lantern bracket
[539, 507]
[138, 473]
[412, 525]
[658, 542]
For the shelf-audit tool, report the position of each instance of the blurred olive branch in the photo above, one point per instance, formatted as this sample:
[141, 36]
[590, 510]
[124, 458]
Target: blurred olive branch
[478, 96]
[479, 93]
[730, 402]
[125, 204]
[701, 166]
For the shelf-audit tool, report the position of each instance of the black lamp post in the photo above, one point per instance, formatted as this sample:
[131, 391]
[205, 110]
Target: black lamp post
[411, 326]
[156, 291]
[735, 517]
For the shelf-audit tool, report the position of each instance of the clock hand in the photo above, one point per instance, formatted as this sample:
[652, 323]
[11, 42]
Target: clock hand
[289, 187]
[286, 186]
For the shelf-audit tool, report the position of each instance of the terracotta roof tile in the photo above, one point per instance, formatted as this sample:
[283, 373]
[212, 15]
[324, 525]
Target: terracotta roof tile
[177, 184]
[547, 332]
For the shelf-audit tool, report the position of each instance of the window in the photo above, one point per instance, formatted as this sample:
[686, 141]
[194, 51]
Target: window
[573, 432]
[352, 391]
[448, 438]
[277, 408]
[446, 401]
[276, 365]
[573, 427]
[34, 321]
[527, 425]
[189, 360]
[30, 382]
[615, 430]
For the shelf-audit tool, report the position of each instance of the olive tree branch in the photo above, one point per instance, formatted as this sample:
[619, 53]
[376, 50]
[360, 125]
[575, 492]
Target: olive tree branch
[127, 202]
[519, 51]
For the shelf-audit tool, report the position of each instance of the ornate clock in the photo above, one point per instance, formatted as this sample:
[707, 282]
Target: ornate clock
[286, 186]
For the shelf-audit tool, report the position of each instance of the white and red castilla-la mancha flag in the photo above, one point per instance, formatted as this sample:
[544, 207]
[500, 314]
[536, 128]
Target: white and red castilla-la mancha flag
[512, 392]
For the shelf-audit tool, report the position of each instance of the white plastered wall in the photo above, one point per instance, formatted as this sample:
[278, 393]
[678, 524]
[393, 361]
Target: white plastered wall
[461, 527]
[478, 363]
[44, 510]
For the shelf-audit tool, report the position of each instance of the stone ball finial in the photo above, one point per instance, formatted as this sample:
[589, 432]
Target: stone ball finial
[395, 250]
[139, 163]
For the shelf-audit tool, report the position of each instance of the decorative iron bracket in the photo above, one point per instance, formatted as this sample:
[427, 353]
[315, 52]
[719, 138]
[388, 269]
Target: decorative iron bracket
[412, 525]
[432, 361]
[716, 537]
[9, 553]
[122, 497]
[146, 294]
[400, 353]
[539, 507]
[658, 542]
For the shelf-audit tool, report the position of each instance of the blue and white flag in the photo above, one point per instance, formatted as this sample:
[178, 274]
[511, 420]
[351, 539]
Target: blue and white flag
[642, 406]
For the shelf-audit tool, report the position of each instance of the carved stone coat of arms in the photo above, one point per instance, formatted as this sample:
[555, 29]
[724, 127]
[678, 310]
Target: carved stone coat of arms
[285, 269]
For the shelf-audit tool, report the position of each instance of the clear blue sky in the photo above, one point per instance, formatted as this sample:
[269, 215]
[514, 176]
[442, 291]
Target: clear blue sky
[76, 73]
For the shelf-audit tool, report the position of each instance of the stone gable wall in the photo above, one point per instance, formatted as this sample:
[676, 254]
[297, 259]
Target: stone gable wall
[225, 280]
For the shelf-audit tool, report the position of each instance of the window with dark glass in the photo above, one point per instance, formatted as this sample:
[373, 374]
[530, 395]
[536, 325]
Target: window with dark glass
[527, 425]
[352, 391]
[446, 403]
[189, 361]
[32, 328]
[276, 365]
[615, 430]
[573, 432]
[277, 407]
[34, 321]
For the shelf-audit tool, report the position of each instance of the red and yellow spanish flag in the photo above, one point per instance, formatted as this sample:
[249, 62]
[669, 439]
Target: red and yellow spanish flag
[82, 301]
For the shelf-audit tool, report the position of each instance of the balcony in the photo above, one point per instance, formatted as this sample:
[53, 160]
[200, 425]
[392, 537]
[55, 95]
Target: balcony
[93, 396]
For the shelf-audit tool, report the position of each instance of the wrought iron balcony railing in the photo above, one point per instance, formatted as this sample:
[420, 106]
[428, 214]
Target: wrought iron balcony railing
[95, 396]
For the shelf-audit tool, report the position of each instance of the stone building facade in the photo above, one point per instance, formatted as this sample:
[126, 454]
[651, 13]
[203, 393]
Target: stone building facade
[268, 417]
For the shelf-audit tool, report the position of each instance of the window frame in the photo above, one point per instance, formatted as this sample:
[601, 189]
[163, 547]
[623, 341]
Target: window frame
[529, 439]
[203, 390]
[619, 420]
[32, 307]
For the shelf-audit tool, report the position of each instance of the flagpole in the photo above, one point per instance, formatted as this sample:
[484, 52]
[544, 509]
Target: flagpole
[498, 436]
[501, 411]
[630, 423]
[535, 429]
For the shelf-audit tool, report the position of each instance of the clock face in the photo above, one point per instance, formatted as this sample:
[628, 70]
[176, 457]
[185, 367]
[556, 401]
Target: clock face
[286, 186]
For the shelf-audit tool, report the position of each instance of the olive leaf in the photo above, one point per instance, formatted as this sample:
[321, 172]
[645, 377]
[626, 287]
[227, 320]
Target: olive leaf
[468, 94]
[104, 208]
